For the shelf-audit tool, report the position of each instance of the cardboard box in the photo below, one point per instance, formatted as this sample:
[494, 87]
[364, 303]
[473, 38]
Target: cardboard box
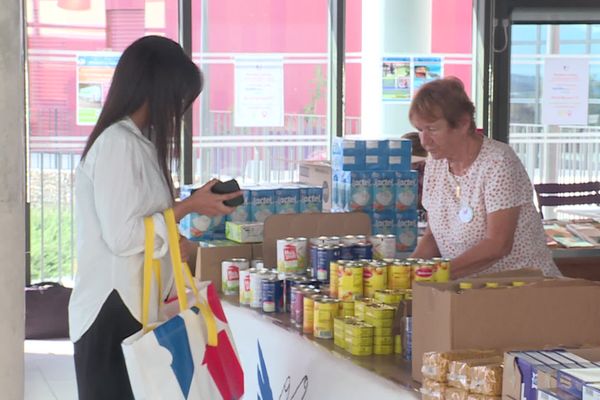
[555, 312]
[208, 260]
[244, 232]
[310, 225]
[591, 392]
[317, 173]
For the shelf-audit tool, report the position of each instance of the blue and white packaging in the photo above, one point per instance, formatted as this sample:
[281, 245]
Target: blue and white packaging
[573, 380]
[399, 163]
[376, 162]
[591, 391]
[242, 212]
[384, 196]
[262, 204]
[361, 197]
[383, 223]
[376, 147]
[311, 199]
[407, 190]
[202, 227]
[406, 231]
[287, 200]
[348, 162]
[399, 154]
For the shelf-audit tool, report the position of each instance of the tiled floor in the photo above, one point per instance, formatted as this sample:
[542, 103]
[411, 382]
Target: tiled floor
[49, 370]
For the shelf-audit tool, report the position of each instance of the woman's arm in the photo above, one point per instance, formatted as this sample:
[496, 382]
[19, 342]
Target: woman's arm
[498, 243]
[426, 246]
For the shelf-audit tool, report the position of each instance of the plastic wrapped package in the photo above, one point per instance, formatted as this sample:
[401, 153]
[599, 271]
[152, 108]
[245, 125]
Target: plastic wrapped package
[432, 390]
[473, 396]
[459, 371]
[435, 363]
[456, 394]
[486, 379]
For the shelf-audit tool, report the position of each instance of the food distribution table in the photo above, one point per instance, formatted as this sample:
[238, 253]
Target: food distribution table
[281, 363]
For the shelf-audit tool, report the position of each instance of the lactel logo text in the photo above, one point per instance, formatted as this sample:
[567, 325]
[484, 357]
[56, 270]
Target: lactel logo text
[262, 201]
[310, 199]
[287, 200]
[407, 223]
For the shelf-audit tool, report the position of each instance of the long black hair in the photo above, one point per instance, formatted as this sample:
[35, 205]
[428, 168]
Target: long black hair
[153, 70]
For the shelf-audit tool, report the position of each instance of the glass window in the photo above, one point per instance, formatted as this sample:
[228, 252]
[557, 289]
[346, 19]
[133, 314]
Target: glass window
[524, 49]
[573, 32]
[525, 32]
[64, 99]
[264, 106]
[524, 81]
[595, 29]
[572, 48]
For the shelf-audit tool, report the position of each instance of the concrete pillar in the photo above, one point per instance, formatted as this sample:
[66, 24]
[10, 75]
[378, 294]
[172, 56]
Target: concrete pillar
[390, 27]
[12, 200]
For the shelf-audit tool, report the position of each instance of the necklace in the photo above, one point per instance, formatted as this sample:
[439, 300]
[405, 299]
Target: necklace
[465, 212]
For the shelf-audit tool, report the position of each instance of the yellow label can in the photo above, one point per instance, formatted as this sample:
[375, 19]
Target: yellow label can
[379, 311]
[375, 277]
[400, 275]
[347, 308]
[309, 312]
[325, 310]
[441, 270]
[350, 281]
[358, 329]
[383, 349]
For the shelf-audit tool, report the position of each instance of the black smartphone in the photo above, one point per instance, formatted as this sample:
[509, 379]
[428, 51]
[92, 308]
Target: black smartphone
[229, 186]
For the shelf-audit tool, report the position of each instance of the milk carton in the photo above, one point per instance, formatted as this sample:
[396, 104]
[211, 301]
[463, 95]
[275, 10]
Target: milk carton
[311, 199]
[287, 200]
[406, 230]
[383, 223]
[360, 191]
[262, 203]
[407, 190]
[399, 154]
[383, 183]
[241, 213]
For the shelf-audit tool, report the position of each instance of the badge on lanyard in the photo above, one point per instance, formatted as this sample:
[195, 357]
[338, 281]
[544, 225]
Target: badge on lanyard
[465, 214]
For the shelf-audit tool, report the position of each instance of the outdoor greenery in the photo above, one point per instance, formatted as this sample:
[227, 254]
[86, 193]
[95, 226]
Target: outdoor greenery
[47, 228]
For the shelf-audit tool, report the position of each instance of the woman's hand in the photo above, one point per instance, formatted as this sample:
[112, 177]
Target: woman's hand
[204, 201]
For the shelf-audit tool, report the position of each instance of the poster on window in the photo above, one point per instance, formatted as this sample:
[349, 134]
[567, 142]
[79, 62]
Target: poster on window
[396, 79]
[426, 69]
[258, 88]
[94, 74]
[565, 91]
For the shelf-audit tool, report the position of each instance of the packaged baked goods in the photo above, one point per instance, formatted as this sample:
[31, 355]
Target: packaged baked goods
[459, 371]
[456, 394]
[486, 379]
[473, 396]
[435, 363]
[432, 390]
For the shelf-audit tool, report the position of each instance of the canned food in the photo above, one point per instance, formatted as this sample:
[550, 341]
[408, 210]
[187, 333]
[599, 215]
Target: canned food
[291, 254]
[423, 271]
[245, 294]
[360, 350]
[379, 332]
[346, 251]
[379, 311]
[230, 277]
[272, 295]
[332, 241]
[360, 306]
[350, 281]
[358, 341]
[389, 296]
[406, 338]
[400, 275]
[256, 289]
[289, 282]
[309, 312]
[257, 263]
[383, 349]
[325, 310]
[334, 266]
[375, 277]
[363, 251]
[350, 240]
[441, 271]
[380, 323]
[325, 255]
[318, 241]
[397, 344]
[384, 246]
[384, 339]
[347, 308]
[357, 328]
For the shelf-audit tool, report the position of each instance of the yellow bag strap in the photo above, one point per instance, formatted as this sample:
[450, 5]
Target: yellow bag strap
[179, 270]
[148, 265]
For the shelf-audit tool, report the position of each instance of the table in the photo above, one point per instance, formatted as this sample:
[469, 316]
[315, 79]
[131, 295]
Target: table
[281, 363]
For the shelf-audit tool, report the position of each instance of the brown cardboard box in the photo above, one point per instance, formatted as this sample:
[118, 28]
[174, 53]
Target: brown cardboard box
[542, 313]
[310, 225]
[317, 173]
[208, 260]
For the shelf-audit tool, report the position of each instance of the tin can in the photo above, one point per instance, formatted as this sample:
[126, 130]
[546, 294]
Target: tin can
[230, 277]
[400, 275]
[272, 295]
[309, 311]
[347, 308]
[257, 263]
[256, 289]
[375, 277]
[441, 272]
[318, 241]
[296, 303]
[313, 252]
[361, 238]
[289, 282]
[349, 240]
[423, 271]
[325, 310]
[358, 328]
[397, 344]
[291, 254]
[346, 251]
[379, 312]
[334, 267]
[384, 246]
[325, 255]
[360, 306]
[389, 296]
[363, 251]
[384, 340]
[245, 293]
[406, 337]
[332, 241]
[383, 349]
[350, 281]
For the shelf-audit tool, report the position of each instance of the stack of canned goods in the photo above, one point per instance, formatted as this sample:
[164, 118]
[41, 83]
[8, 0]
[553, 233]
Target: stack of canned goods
[381, 316]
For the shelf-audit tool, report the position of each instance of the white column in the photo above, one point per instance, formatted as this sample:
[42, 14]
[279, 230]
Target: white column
[12, 201]
[389, 27]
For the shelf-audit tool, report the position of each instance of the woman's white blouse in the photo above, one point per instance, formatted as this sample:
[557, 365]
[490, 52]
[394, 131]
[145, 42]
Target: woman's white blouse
[116, 186]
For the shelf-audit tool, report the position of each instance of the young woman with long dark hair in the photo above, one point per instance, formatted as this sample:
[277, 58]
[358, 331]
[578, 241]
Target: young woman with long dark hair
[125, 175]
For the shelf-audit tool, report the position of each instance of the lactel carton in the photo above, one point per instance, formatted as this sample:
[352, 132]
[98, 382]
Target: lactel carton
[399, 162]
[406, 230]
[287, 200]
[383, 223]
[383, 183]
[361, 197]
[407, 190]
[242, 213]
[310, 199]
[376, 162]
[348, 162]
[376, 147]
[399, 154]
[262, 204]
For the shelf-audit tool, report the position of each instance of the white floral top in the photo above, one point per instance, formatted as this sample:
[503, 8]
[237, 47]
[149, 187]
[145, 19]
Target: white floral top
[495, 181]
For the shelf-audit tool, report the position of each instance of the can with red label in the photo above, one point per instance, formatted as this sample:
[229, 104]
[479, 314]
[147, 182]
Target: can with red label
[423, 271]
[375, 277]
[230, 275]
[292, 255]
[245, 294]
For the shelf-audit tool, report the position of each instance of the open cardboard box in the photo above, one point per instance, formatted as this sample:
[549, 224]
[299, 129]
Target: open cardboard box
[544, 312]
[208, 260]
